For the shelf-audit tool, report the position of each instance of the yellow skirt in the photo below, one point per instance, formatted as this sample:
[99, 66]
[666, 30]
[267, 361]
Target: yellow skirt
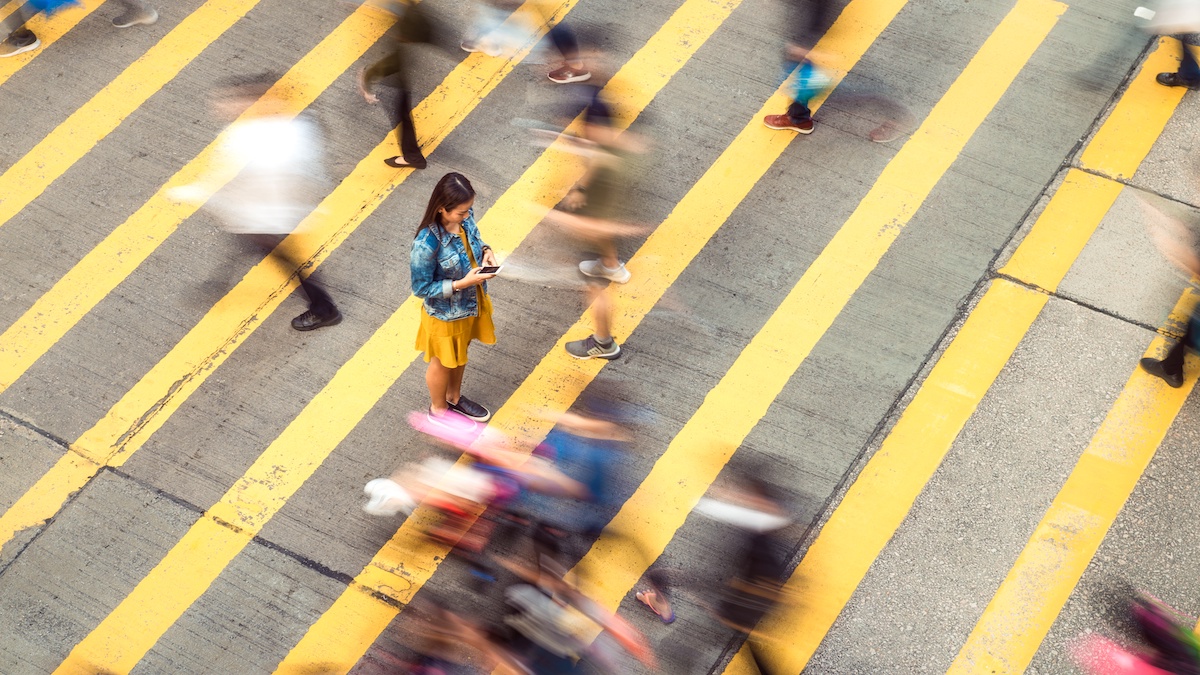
[448, 340]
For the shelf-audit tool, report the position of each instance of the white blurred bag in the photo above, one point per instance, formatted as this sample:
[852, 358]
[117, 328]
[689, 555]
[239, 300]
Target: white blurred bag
[1174, 17]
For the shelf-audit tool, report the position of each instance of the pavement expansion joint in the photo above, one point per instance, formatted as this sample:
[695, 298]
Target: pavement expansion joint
[308, 563]
[1164, 330]
[25, 424]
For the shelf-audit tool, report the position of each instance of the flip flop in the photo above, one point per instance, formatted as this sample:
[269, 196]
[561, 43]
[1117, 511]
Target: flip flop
[644, 597]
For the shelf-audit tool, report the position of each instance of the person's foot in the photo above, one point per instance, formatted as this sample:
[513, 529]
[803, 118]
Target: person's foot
[450, 420]
[884, 133]
[568, 74]
[140, 16]
[13, 46]
[387, 498]
[310, 320]
[1174, 80]
[486, 46]
[785, 123]
[470, 409]
[399, 162]
[595, 268]
[590, 348]
[1156, 368]
[657, 604]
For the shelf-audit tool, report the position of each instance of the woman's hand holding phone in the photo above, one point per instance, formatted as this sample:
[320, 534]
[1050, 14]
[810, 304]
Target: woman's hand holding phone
[475, 277]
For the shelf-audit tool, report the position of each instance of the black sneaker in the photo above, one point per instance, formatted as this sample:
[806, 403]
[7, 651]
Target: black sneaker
[590, 348]
[310, 321]
[470, 409]
[1155, 368]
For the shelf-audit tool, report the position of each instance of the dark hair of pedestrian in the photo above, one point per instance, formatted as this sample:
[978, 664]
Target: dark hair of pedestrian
[452, 190]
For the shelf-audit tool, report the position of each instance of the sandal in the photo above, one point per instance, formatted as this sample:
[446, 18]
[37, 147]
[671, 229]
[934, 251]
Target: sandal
[647, 598]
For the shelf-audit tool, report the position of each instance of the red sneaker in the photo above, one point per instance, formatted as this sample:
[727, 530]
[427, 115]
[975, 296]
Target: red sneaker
[783, 122]
[567, 75]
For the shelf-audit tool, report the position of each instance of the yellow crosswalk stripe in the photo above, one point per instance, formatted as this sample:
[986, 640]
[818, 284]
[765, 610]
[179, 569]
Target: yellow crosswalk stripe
[134, 626]
[147, 406]
[734, 406]
[880, 498]
[114, 258]
[48, 29]
[348, 628]
[86, 127]
[10, 7]
[1029, 599]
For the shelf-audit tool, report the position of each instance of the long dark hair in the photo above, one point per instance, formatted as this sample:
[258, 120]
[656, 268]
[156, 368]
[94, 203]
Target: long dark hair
[453, 189]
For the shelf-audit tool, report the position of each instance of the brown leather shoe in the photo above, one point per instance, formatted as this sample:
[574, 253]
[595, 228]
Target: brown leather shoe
[785, 123]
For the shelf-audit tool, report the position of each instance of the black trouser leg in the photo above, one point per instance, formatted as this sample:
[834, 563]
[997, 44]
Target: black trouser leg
[565, 42]
[1173, 361]
[799, 112]
[14, 26]
[319, 301]
[409, 149]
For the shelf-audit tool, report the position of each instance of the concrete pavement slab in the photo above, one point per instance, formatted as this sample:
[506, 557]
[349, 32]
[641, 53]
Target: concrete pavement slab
[1121, 272]
[81, 566]
[248, 619]
[925, 592]
[25, 455]
[1149, 547]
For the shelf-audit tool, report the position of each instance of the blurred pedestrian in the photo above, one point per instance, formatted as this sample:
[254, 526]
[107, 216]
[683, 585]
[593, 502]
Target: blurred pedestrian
[756, 508]
[808, 20]
[1180, 245]
[19, 39]
[447, 262]
[495, 34]
[594, 213]
[412, 27]
[1181, 20]
[278, 160]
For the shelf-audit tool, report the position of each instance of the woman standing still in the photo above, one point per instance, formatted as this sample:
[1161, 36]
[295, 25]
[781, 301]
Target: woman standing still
[446, 256]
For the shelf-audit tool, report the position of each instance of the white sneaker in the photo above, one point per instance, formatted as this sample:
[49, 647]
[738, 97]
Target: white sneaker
[7, 48]
[595, 268]
[387, 498]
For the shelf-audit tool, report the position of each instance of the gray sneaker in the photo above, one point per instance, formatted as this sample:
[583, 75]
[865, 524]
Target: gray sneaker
[595, 268]
[136, 15]
[590, 348]
[11, 47]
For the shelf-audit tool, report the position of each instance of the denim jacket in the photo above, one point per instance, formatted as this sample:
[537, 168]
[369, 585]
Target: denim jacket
[439, 259]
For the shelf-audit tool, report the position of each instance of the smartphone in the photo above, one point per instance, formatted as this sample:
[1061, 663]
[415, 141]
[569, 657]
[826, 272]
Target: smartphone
[494, 269]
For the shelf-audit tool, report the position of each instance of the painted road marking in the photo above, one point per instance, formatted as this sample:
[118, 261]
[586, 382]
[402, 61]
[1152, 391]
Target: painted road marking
[136, 624]
[1030, 598]
[880, 498]
[120, 253]
[734, 406]
[347, 629]
[72, 139]
[48, 29]
[1132, 125]
[133, 419]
